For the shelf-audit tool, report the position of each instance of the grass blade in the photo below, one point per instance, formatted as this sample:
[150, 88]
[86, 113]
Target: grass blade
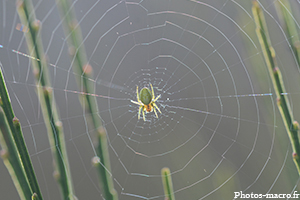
[11, 158]
[275, 74]
[168, 185]
[46, 98]
[81, 66]
[284, 8]
[17, 135]
[107, 184]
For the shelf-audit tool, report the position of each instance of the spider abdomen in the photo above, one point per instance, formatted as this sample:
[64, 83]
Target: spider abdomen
[145, 96]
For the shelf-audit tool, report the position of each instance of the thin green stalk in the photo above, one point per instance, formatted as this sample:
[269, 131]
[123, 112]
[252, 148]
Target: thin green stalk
[167, 182]
[275, 74]
[291, 28]
[73, 32]
[107, 184]
[34, 197]
[11, 158]
[17, 135]
[46, 98]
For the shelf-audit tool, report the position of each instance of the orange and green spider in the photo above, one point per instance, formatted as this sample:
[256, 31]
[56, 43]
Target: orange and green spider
[146, 100]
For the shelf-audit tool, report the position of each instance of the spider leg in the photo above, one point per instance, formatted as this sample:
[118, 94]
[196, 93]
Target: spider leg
[137, 94]
[155, 106]
[152, 91]
[155, 112]
[156, 98]
[135, 102]
[140, 112]
[144, 113]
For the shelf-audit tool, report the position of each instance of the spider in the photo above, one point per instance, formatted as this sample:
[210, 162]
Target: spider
[146, 101]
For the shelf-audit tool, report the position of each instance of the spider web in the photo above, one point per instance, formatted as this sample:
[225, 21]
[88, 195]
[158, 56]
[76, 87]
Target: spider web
[219, 131]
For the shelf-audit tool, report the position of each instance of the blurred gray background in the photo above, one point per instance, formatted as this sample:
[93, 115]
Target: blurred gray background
[219, 131]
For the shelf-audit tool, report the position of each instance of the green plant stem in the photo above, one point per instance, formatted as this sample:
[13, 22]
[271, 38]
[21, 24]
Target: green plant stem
[81, 67]
[282, 99]
[46, 98]
[291, 28]
[34, 196]
[107, 184]
[11, 159]
[17, 135]
[167, 182]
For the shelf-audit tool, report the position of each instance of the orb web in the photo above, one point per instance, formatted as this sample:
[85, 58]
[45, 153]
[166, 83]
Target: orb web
[219, 130]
